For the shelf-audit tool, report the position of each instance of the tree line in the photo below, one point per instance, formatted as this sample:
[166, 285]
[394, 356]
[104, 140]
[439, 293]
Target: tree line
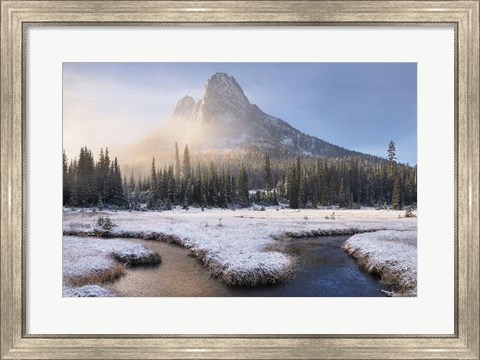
[87, 183]
[239, 181]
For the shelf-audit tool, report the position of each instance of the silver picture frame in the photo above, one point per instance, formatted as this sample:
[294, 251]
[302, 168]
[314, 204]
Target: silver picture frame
[16, 16]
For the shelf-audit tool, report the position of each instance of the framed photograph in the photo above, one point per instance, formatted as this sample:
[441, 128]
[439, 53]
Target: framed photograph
[220, 179]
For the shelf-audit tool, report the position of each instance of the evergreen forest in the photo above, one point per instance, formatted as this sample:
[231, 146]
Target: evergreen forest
[239, 179]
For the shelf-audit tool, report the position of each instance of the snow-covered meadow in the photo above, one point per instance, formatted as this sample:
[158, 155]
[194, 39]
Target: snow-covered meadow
[87, 261]
[244, 246]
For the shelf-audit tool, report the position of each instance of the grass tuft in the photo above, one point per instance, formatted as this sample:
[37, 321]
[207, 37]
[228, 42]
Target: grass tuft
[404, 286]
[327, 232]
[99, 276]
[254, 277]
[133, 260]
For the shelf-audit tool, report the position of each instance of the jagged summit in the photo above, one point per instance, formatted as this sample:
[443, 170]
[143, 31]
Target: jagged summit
[181, 114]
[185, 101]
[224, 119]
[224, 86]
[223, 99]
[184, 106]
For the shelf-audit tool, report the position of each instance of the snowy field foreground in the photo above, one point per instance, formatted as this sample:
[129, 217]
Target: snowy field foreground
[239, 247]
[91, 260]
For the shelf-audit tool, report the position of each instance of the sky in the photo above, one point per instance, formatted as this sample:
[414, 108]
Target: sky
[359, 106]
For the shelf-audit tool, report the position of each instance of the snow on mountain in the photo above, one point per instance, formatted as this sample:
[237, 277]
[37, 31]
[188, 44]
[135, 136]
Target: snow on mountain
[224, 118]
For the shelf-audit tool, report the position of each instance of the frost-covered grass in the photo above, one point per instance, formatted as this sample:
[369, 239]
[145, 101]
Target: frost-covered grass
[86, 291]
[238, 246]
[391, 254]
[89, 261]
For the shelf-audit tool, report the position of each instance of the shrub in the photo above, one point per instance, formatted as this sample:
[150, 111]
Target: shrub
[105, 223]
[409, 213]
[265, 198]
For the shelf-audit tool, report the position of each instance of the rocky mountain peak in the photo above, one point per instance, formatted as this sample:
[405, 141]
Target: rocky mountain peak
[223, 86]
[224, 118]
[184, 107]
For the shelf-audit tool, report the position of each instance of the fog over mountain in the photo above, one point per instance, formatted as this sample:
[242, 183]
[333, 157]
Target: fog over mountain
[224, 119]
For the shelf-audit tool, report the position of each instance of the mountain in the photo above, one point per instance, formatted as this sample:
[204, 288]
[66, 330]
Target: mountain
[224, 119]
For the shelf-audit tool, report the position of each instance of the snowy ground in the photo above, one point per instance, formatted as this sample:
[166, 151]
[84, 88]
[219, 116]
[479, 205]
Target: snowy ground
[239, 247]
[86, 291]
[87, 261]
[391, 254]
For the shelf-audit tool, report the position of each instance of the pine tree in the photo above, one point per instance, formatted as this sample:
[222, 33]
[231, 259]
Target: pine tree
[313, 196]
[293, 188]
[84, 185]
[187, 168]
[152, 204]
[187, 194]
[66, 181]
[171, 184]
[100, 203]
[72, 173]
[102, 169]
[197, 188]
[163, 185]
[243, 187]
[391, 170]
[229, 192]
[342, 196]
[203, 189]
[222, 193]
[116, 188]
[396, 205]
[129, 192]
[391, 152]
[268, 174]
[178, 167]
[392, 157]
[281, 186]
[212, 189]
[131, 183]
[411, 188]
[300, 183]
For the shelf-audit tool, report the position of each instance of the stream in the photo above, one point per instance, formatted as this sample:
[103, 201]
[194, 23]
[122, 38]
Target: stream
[326, 271]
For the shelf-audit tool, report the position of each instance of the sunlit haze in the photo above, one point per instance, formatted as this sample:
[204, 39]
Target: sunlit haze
[359, 106]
